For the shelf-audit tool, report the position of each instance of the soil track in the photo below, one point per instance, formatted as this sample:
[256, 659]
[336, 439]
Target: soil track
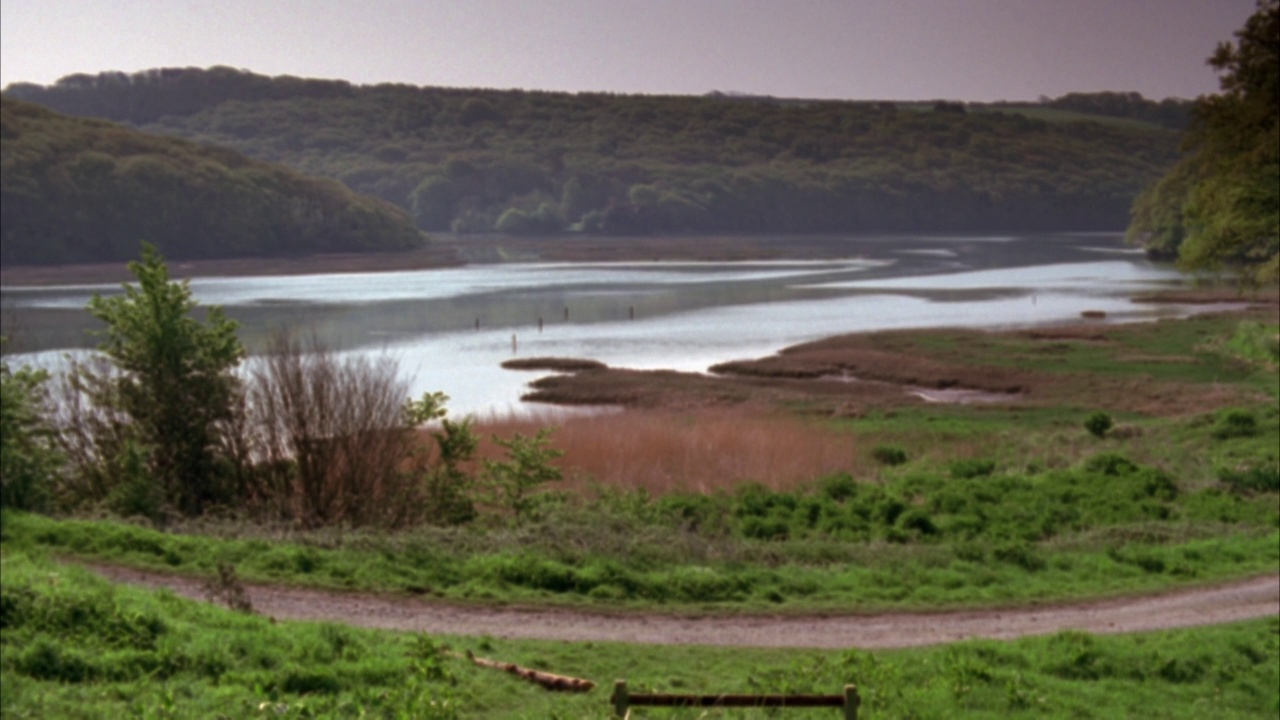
[1241, 600]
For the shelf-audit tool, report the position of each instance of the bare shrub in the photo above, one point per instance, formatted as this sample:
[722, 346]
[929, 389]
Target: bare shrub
[95, 437]
[330, 435]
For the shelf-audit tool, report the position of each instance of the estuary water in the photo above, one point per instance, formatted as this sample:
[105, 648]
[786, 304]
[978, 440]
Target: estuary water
[451, 328]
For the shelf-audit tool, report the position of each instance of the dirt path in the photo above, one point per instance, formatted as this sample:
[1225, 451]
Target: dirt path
[1257, 597]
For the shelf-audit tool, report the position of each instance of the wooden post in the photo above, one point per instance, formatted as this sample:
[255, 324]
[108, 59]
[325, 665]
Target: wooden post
[539, 323]
[851, 702]
[621, 698]
[566, 313]
[513, 343]
[477, 323]
[633, 312]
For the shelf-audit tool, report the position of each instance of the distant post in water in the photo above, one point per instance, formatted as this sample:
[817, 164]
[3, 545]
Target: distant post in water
[513, 343]
[633, 312]
[477, 323]
[566, 313]
[539, 323]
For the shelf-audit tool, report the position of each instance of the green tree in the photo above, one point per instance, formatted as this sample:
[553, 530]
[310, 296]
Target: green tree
[175, 379]
[1221, 205]
[28, 455]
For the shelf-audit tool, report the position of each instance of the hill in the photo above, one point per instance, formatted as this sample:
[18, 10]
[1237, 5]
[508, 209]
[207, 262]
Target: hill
[472, 160]
[80, 190]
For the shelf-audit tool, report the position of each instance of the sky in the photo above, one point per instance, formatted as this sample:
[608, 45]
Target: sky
[972, 50]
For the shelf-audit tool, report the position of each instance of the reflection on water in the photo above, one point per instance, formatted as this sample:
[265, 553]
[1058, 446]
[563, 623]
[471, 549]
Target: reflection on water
[451, 328]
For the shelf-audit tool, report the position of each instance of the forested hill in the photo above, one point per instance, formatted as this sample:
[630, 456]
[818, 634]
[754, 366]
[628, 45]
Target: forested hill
[80, 190]
[536, 162]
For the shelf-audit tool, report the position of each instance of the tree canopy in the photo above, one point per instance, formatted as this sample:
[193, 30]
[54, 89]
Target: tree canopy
[1220, 205]
[77, 190]
[472, 160]
[174, 378]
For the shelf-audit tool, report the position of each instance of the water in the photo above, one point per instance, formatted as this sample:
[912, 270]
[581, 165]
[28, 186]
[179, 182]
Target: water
[687, 315]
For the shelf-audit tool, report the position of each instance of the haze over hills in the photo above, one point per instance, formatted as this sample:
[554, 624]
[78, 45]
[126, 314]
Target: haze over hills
[81, 190]
[471, 160]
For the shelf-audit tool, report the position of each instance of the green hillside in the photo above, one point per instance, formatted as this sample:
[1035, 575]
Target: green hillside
[79, 190]
[473, 160]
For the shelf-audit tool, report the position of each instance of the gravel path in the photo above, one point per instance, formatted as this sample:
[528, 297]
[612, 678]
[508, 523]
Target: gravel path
[1241, 600]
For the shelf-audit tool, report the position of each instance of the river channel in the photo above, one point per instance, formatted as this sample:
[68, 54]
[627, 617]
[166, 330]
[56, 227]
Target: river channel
[450, 329]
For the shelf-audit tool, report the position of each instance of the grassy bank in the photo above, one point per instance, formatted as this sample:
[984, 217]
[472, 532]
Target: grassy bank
[72, 645]
[974, 535]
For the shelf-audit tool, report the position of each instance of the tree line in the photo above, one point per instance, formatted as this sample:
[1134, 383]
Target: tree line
[80, 190]
[1220, 205]
[472, 160]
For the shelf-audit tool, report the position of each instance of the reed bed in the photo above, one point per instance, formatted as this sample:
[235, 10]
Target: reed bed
[702, 451]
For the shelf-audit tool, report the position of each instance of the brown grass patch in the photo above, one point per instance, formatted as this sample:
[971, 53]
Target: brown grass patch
[702, 451]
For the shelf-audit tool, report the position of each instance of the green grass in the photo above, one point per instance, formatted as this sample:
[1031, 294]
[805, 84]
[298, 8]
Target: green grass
[74, 646]
[978, 534]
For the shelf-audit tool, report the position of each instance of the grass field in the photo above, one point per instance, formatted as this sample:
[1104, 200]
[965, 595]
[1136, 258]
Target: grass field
[74, 646]
[791, 509]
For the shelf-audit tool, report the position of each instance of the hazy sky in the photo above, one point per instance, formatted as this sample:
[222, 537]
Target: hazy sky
[855, 49]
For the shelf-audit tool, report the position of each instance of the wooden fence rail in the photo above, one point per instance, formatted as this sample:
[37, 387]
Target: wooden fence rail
[623, 700]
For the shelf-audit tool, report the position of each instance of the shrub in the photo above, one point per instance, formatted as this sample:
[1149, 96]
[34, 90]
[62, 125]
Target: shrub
[1098, 424]
[1113, 464]
[972, 468]
[335, 430]
[919, 521]
[839, 487]
[889, 455]
[1234, 424]
[28, 455]
[514, 483]
[1262, 476]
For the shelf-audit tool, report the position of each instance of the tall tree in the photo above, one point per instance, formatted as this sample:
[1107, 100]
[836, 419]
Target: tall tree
[175, 381]
[1221, 204]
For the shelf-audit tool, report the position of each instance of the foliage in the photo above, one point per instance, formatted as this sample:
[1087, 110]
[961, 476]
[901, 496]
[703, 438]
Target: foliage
[1098, 424]
[77, 190]
[448, 485]
[472, 160]
[175, 381]
[889, 455]
[1221, 204]
[29, 457]
[922, 538]
[513, 484]
[1235, 423]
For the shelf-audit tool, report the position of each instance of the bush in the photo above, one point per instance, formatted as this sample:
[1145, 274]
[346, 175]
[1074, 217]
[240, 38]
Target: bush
[972, 468]
[889, 455]
[334, 431]
[1235, 424]
[28, 455]
[514, 484]
[1253, 477]
[838, 487]
[1113, 464]
[1098, 424]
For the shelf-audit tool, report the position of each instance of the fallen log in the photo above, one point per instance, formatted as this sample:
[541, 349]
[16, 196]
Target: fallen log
[550, 681]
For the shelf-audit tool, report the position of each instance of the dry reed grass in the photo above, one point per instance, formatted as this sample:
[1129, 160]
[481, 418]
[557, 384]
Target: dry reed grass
[701, 451]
